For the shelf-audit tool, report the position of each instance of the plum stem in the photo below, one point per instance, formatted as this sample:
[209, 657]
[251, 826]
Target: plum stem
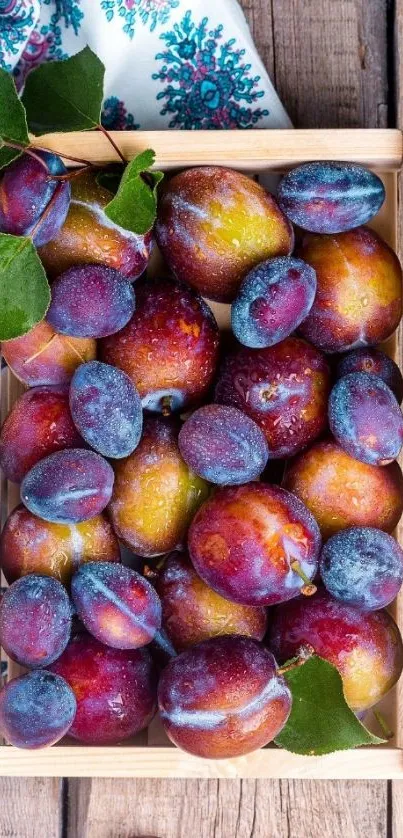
[66, 156]
[166, 405]
[73, 174]
[150, 573]
[304, 653]
[308, 589]
[387, 732]
[27, 150]
[112, 142]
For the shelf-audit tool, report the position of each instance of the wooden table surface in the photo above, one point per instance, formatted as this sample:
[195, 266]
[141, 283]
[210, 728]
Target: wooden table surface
[335, 64]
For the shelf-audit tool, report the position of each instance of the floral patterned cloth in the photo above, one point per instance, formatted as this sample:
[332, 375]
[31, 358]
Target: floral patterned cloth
[169, 63]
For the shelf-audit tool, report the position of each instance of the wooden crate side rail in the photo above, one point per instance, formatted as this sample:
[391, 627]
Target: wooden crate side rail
[257, 150]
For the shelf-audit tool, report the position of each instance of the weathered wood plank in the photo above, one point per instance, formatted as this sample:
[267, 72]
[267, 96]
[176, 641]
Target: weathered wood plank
[327, 59]
[334, 810]
[259, 16]
[30, 808]
[397, 809]
[227, 809]
[174, 809]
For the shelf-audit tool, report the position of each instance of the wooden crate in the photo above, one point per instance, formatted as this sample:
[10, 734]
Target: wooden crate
[257, 152]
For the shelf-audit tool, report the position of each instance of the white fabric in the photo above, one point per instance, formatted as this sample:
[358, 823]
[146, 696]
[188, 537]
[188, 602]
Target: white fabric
[169, 63]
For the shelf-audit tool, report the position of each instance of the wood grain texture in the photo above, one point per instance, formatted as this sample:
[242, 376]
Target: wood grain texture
[260, 18]
[173, 809]
[327, 59]
[396, 802]
[334, 810]
[30, 808]
[227, 809]
[260, 151]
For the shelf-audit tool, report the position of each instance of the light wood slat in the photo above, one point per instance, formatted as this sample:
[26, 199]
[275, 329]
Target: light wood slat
[252, 151]
[126, 761]
[30, 808]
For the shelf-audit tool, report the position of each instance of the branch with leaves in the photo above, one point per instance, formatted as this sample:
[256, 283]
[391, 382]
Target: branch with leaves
[61, 96]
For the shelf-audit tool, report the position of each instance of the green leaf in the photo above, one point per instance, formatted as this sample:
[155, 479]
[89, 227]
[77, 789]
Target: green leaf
[24, 289]
[13, 122]
[320, 721]
[110, 178]
[65, 95]
[134, 206]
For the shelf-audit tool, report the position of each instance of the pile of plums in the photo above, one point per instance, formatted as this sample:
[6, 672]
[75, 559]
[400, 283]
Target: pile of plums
[251, 476]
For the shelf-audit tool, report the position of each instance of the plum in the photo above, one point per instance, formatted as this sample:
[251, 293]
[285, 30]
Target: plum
[223, 698]
[88, 236]
[36, 710]
[35, 620]
[363, 567]
[155, 494]
[169, 348]
[38, 424]
[330, 197]
[223, 445]
[117, 605]
[115, 690]
[365, 647]
[373, 362]
[359, 295]
[70, 486]
[214, 225]
[44, 357]
[255, 544]
[193, 612]
[106, 409]
[32, 202]
[284, 389]
[90, 301]
[30, 545]
[273, 300]
[343, 492]
[365, 418]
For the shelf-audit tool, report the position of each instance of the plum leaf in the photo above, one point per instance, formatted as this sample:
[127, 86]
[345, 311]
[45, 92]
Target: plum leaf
[134, 207]
[65, 95]
[24, 289]
[110, 178]
[321, 721]
[13, 122]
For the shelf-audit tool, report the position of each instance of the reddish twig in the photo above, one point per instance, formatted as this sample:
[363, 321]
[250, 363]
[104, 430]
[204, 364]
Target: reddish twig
[112, 142]
[27, 150]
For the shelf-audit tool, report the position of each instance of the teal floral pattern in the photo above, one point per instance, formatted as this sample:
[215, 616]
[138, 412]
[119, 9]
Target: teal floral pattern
[67, 11]
[207, 82]
[150, 12]
[45, 41]
[115, 116]
[16, 22]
